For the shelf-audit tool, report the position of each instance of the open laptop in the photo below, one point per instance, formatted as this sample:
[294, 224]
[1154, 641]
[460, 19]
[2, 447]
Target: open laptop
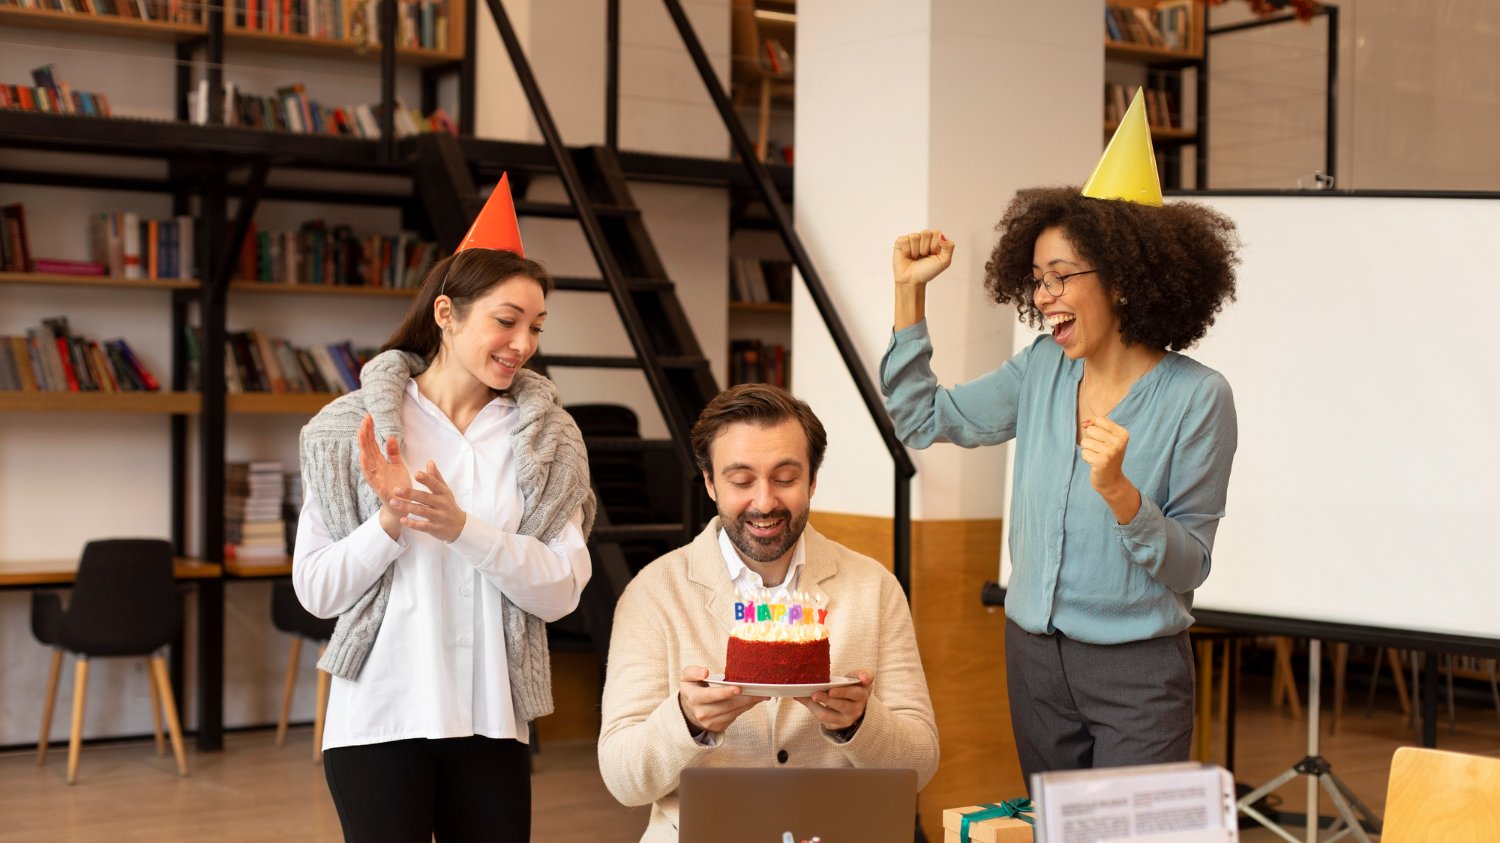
[759, 805]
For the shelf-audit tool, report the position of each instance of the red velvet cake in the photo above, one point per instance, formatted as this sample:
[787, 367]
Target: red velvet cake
[779, 640]
[777, 662]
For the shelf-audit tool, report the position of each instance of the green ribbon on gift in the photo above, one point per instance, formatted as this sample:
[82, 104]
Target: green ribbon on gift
[1018, 808]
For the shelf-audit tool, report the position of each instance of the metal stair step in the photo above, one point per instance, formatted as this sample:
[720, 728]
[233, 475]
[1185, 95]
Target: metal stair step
[626, 444]
[566, 210]
[597, 285]
[606, 361]
[637, 532]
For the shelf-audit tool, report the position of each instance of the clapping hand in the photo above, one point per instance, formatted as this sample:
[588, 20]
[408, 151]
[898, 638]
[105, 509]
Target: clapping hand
[921, 257]
[435, 512]
[384, 473]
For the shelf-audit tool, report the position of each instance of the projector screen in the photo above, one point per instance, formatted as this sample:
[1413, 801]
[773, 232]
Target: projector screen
[1363, 354]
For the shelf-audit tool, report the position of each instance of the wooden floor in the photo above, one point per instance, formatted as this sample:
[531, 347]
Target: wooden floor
[254, 791]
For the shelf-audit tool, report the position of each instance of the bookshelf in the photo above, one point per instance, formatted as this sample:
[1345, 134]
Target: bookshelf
[1159, 45]
[760, 308]
[38, 18]
[147, 161]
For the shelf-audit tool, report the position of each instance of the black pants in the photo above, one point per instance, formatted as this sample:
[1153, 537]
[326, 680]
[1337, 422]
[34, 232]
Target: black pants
[459, 789]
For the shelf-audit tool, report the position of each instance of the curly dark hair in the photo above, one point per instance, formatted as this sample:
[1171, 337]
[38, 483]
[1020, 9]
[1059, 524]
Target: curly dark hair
[1173, 265]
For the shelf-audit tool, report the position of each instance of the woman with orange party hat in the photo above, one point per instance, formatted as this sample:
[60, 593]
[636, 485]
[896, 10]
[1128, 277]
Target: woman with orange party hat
[447, 508]
[1122, 455]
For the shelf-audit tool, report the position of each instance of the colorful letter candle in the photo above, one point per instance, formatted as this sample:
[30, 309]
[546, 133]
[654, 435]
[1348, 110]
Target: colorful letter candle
[780, 638]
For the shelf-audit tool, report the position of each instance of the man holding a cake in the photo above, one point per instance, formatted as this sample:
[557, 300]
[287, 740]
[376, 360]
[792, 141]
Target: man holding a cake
[820, 660]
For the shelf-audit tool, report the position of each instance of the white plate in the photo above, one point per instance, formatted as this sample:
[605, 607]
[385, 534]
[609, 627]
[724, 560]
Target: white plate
[784, 690]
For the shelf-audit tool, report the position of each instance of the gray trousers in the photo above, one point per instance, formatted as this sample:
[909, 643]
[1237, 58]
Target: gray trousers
[1076, 705]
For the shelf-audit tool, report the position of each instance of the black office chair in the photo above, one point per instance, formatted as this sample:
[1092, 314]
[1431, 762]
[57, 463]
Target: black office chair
[288, 616]
[124, 603]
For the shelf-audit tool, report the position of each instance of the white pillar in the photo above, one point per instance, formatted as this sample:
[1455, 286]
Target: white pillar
[914, 114]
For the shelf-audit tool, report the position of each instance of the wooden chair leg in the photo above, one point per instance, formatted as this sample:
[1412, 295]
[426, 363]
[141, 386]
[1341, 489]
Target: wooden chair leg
[75, 738]
[174, 726]
[286, 690]
[320, 713]
[1203, 737]
[52, 677]
[1229, 645]
[1340, 663]
[1398, 675]
[763, 135]
[1494, 686]
[1288, 677]
[161, 743]
[1452, 712]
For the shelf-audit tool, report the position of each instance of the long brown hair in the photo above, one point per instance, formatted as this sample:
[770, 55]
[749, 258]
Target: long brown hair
[463, 277]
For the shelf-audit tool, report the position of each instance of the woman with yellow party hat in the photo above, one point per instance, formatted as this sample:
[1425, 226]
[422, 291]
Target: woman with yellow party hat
[446, 516]
[1122, 455]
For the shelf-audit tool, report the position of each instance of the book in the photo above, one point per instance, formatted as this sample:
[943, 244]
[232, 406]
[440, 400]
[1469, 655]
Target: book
[16, 245]
[130, 237]
[139, 368]
[58, 266]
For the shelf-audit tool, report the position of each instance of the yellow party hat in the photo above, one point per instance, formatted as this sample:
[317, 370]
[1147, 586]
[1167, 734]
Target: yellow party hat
[1128, 169]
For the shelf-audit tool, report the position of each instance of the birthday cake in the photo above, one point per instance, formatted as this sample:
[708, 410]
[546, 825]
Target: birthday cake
[779, 643]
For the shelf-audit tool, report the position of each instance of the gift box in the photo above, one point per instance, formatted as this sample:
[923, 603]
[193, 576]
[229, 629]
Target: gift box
[995, 822]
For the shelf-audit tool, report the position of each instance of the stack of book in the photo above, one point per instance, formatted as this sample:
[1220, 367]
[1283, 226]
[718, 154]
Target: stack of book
[51, 358]
[130, 247]
[753, 361]
[319, 253]
[1169, 26]
[15, 247]
[256, 362]
[51, 94]
[760, 281]
[421, 24]
[254, 531]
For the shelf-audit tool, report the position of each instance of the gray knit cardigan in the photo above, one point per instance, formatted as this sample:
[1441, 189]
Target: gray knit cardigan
[551, 467]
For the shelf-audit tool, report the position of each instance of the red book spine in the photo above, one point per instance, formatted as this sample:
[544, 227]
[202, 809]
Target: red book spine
[67, 364]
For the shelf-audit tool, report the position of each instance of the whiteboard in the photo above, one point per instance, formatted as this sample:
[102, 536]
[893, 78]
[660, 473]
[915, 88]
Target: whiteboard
[1363, 353]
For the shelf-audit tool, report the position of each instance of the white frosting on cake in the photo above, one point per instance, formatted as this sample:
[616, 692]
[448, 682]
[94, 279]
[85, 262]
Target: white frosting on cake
[775, 631]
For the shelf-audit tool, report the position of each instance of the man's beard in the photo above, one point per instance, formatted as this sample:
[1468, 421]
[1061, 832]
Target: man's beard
[757, 549]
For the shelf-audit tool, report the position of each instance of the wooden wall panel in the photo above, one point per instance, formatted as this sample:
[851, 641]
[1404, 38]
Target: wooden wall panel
[575, 693]
[962, 653]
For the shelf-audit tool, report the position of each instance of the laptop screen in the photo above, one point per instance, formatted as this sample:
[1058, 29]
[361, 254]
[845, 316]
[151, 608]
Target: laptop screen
[760, 805]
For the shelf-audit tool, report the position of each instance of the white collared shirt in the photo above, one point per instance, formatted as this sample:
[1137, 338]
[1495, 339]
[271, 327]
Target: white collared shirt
[746, 580]
[438, 668]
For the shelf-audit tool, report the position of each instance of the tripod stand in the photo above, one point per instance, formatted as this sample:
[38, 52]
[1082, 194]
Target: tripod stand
[1318, 771]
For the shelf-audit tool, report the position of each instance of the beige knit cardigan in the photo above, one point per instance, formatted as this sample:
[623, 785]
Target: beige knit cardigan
[678, 611]
[552, 471]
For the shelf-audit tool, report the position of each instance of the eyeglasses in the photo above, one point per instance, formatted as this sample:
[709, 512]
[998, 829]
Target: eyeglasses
[1054, 282]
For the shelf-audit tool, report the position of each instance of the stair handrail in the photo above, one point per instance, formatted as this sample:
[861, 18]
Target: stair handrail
[613, 277]
[761, 178]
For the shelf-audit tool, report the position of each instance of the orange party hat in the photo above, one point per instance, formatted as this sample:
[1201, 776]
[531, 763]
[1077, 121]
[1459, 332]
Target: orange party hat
[1128, 169]
[496, 226]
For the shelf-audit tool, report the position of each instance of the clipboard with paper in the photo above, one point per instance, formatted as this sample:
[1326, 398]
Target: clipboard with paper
[1153, 803]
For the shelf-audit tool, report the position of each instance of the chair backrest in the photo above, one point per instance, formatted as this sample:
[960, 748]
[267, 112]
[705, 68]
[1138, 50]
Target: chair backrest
[745, 31]
[288, 614]
[125, 601]
[1442, 796]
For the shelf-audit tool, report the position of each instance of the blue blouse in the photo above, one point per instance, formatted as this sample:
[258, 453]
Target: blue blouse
[1075, 570]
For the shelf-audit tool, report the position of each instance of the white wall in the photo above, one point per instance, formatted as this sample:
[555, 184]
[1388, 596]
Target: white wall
[913, 115]
[663, 105]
